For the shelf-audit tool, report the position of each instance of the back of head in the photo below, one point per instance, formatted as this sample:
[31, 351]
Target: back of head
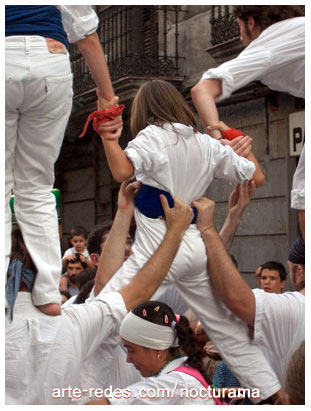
[265, 16]
[295, 377]
[97, 236]
[297, 259]
[275, 266]
[84, 276]
[158, 102]
[84, 292]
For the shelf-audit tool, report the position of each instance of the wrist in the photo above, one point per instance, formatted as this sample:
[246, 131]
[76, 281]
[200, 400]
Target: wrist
[207, 229]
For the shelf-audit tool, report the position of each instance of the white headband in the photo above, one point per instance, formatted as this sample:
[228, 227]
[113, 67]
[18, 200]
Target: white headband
[147, 334]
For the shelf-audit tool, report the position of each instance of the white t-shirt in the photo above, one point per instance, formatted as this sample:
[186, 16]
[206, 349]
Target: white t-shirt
[72, 250]
[168, 388]
[45, 353]
[279, 326]
[276, 58]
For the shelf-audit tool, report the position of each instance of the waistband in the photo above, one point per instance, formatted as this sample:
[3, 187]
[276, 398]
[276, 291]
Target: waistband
[36, 41]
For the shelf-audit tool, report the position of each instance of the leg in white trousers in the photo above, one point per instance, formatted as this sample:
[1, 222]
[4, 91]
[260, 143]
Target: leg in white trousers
[189, 273]
[38, 105]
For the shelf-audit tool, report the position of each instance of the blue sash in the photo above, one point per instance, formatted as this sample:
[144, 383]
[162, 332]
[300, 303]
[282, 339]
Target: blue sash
[148, 202]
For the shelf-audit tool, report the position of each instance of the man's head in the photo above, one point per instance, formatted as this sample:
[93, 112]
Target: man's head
[296, 264]
[73, 267]
[272, 277]
[252, 20]
[96, 240]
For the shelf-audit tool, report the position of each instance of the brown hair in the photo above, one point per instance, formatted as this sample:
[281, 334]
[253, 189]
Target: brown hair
[295, 377]
[264, 16]
[19, 250]
[158, 102]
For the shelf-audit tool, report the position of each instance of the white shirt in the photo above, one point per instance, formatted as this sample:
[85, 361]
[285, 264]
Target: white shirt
[279, 326]
[276, 58]
[72, 250]
[172, 384]
[184, 164]
[78, 21]
[44, 352]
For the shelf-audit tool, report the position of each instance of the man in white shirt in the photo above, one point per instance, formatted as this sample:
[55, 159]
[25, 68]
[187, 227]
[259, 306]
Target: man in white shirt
[276, 321]
[44, 353]
[275, 55]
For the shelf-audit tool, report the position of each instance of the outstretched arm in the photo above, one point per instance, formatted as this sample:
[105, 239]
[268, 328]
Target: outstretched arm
[112, 255]
[238, 201]
[149, 278]
[227, 280]
[93, 53]
[203, 95]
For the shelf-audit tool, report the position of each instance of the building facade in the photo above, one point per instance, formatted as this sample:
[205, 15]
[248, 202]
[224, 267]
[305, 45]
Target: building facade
[179, 43]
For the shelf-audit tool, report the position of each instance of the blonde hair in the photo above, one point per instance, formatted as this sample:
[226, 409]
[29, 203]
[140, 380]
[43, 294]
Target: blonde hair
[158, 102]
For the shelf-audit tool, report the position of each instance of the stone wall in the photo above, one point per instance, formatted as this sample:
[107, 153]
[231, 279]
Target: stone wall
[269, 225]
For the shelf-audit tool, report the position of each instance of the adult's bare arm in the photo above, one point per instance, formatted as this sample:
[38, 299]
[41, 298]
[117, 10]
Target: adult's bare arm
[238, 201]
[203, 95]
[149, 278]
[93, 53]
[112, 255]
[227, 280]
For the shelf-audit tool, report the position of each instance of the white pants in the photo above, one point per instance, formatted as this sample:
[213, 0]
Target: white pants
[298, 190]
[38, 99]
[189, 273]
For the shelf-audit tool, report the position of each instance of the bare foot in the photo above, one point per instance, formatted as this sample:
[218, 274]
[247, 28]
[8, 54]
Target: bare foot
[50, 309]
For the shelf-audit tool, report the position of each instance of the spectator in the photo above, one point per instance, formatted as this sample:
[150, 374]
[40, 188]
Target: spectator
[272, 277]
[78, 240]
[68, 280]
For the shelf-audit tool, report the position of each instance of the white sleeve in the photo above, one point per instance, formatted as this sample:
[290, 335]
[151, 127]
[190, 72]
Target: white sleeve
[250, 65]
[146, 153]
[143, 392]
[78, 21]
[228, 165]
[97, 321]
[277, 318]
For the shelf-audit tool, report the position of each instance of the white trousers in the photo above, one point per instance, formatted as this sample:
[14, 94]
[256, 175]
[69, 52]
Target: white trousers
[38, 99]
[189, 273]
[298, 190]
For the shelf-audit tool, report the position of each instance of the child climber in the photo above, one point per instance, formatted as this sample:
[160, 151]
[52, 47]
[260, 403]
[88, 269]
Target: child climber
[169, 156]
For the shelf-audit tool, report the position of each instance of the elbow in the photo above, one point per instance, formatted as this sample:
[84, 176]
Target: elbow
[196, 90]
[121, 175]
[260, 181]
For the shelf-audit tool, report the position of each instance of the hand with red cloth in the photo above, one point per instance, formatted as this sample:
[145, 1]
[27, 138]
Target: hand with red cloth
[107, 120]
[230, 136]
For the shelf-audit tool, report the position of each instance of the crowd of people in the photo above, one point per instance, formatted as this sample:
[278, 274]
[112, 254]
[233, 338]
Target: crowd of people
[166, 317]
